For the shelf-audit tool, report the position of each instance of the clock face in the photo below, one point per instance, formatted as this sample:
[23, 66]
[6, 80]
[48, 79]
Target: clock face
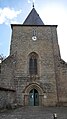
[34, 38]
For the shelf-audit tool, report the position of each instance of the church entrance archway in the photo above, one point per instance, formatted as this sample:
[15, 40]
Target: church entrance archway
[33, 97]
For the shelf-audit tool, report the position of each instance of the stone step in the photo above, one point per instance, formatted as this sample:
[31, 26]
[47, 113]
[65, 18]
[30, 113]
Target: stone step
[35, 112]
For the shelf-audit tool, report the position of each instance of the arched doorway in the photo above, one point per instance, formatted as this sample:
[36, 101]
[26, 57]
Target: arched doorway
[33, 97]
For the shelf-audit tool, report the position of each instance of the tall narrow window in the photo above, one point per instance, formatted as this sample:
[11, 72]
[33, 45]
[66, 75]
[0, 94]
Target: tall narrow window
[0, 68]
[33, 64]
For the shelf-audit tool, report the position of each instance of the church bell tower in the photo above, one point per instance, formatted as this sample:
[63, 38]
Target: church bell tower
[36, 48]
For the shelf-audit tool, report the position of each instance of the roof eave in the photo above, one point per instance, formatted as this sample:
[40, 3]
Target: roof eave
[33, 25]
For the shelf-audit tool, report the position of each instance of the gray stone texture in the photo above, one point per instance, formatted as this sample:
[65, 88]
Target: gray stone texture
[51, 79]
[35, 113]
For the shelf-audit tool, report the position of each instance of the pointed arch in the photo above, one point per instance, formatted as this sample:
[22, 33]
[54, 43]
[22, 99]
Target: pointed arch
[33, 63]
[31, 86]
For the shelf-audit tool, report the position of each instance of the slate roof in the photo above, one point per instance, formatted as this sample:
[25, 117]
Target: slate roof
[33, 18]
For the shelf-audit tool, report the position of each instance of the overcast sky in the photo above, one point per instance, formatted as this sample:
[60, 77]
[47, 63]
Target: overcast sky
[52, 12]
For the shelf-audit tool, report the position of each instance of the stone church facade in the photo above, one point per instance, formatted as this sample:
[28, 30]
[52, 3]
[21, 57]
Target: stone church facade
[34, 73]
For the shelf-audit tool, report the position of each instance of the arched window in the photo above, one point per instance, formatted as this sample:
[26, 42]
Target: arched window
[33, 64]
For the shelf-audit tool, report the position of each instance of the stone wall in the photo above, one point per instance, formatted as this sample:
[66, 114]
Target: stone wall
[7, 98]
[7, 72]
[7, 88]
[45, 46]
[52, 71]
[63, 83]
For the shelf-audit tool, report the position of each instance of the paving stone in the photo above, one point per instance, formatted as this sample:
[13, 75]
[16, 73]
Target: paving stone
[35, 113]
